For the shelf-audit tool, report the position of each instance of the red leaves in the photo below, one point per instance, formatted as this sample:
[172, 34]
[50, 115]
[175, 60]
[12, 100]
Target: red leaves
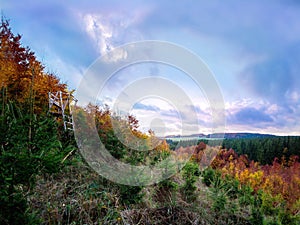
[282, 178]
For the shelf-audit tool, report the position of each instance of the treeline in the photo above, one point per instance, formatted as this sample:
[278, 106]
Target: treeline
[262, 150]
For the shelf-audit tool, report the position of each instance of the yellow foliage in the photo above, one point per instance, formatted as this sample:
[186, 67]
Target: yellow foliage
[255, 179]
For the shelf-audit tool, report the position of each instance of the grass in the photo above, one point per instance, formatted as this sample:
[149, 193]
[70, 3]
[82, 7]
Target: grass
[78, 195]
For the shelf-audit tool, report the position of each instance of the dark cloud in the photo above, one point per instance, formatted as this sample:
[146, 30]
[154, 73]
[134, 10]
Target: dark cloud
[269, 79]
[276, 77]
[250, 116]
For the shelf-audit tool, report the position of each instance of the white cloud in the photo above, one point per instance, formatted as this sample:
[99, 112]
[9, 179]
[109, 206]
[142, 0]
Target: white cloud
[272, 109]
[293, 96]
[99, 30]
[115, 55]
[109, 30]
[184, 121]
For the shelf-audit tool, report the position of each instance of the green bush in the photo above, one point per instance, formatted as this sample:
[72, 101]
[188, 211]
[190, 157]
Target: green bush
[168, 184]
[190, 174]
[257, 216]
[271, 205]
[130, 194]
[219, 193]
[208, 176]
[245, 196]
[286, 218]
[29, 146]
[232, 186]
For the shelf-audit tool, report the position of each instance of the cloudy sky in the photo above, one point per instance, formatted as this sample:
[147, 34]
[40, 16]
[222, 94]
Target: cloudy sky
[252, 48]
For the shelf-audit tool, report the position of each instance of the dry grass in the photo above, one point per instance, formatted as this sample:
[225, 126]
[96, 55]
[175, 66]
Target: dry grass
[162, 216]
[77, 195]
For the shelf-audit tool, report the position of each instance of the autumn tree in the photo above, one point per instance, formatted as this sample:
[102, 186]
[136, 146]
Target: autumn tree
[29, 144]
[22, 75]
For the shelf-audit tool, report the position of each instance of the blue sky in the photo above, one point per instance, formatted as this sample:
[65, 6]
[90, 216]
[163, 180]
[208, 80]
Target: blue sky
[252, 47]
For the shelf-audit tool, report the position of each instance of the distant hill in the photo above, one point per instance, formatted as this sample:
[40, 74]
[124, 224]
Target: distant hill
[186, 136]
[245, 135]
[218, 135]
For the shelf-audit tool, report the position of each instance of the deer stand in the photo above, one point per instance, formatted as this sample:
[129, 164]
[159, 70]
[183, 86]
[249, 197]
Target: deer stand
[60, 105]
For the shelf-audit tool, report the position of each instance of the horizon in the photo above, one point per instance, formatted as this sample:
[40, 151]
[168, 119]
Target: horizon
[254, 60]
[252, 133]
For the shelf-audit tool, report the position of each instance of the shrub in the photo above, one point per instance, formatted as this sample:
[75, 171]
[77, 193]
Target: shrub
[190, 175]
[29, 146]
[130, 194]
[208, 176]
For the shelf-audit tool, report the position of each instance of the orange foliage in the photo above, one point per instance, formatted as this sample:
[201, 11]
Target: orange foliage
[280, 180]
[125, 128]
[202, 154]
[21, 74]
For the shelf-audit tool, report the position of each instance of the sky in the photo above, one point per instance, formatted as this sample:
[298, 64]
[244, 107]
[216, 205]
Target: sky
[251, 47]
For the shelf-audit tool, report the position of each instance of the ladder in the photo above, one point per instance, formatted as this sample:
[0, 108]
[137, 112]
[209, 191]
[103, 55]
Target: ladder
[60, 105]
